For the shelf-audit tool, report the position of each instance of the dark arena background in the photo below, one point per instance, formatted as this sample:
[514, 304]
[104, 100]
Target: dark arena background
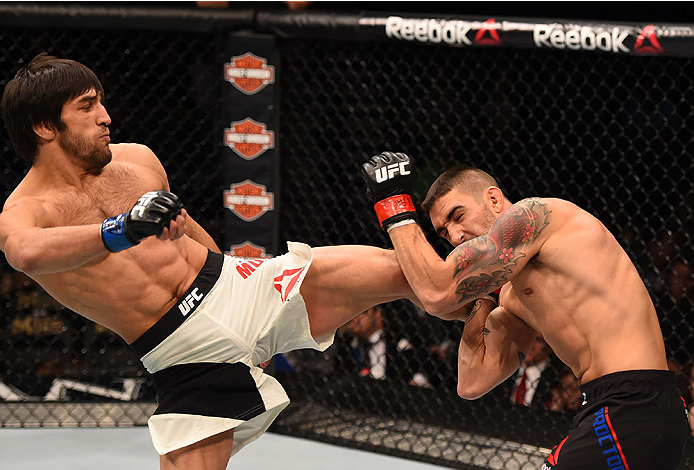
[262, 119]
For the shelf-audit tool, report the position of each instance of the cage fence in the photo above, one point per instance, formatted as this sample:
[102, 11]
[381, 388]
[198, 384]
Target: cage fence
[608, 132]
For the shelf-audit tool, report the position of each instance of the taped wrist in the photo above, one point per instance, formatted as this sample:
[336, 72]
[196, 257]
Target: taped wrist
[395, 209]
[113, 234]
[400, 224]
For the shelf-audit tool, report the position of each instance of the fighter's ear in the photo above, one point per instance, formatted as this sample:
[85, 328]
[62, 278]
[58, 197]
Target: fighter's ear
[496, 198]
[44, 131]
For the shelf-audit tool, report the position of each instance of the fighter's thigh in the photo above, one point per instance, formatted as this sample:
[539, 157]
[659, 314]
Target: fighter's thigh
[212, 453]
[343, 281]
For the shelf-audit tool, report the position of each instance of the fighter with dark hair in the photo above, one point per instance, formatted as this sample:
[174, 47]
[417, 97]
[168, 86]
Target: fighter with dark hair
[96, 226]
[560, 273]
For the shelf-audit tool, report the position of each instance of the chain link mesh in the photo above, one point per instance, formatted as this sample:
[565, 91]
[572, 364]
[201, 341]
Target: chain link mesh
[609, 133]
[163, 90]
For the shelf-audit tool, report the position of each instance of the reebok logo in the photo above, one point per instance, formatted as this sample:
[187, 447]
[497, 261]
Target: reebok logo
[586, 38]
[188, 304]
[647, 42]
[429, 30]
[285, 282]
[388, 172]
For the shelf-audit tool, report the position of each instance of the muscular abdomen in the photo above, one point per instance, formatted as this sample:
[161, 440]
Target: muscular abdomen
[129, 291]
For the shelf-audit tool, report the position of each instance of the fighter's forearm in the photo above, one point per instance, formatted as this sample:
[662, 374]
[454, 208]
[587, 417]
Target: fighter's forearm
[51, 250]
[476, 374]
[429, 276]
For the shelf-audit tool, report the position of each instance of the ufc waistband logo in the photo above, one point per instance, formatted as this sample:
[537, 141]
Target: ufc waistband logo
[188, 303]
[387, 172]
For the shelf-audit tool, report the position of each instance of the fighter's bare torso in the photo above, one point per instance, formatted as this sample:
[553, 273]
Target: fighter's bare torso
[581, 291]
[126, 291]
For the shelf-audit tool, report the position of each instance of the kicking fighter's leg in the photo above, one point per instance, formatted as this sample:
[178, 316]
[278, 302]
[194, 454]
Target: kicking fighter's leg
[212, 453]
[343, 281]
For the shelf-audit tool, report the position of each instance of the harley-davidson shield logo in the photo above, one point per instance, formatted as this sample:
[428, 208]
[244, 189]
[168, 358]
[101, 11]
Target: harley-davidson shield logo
[249, 73]
[248, 138]
[249, 251]
[248, 200]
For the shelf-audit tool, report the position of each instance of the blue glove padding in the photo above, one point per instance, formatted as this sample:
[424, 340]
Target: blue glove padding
[149, 216]
[113, 234]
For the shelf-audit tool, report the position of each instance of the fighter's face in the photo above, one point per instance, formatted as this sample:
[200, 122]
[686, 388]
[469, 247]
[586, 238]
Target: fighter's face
[458, 217]
[86, 136]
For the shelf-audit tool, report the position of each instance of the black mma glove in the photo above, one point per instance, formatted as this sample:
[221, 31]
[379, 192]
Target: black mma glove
[149, 216]
[389, 177]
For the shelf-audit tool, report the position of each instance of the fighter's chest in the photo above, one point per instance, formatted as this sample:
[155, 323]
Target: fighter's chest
[101, 198]
[526, 296]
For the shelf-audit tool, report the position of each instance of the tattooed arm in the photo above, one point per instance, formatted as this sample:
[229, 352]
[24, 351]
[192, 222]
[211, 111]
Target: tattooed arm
[476, 267]
[493, 346]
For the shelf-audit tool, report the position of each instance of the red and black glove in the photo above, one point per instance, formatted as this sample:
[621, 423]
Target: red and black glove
[389, 178]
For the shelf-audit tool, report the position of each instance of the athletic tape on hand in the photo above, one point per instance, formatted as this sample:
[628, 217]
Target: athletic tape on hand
[400, 224]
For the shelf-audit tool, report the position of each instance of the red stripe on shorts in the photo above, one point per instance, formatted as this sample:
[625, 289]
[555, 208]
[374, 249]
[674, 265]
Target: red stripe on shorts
[616, 441]
[553, 458]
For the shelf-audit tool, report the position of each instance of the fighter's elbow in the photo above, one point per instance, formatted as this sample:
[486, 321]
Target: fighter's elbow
[470, 390]
[437, 303]
[21, 257]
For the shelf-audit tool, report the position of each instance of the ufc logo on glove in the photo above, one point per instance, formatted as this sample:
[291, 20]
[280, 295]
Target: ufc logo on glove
[389, 180]
[388, 172]
[142, 203]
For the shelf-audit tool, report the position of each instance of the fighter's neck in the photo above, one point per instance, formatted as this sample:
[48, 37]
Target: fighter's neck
[59, 169]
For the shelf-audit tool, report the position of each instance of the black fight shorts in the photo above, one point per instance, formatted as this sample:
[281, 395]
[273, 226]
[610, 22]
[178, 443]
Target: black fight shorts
[631, 420]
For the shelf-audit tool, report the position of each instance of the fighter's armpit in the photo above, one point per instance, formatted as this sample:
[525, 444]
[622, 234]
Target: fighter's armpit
[486, 263]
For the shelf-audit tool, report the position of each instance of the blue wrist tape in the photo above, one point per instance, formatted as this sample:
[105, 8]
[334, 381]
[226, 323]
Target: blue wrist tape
[113, 234]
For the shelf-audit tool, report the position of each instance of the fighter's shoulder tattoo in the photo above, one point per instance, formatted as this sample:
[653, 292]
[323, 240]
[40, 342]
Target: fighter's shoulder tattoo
[484, 263]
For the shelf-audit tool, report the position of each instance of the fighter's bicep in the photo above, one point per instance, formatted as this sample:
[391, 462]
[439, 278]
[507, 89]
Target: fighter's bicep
[486, 263]
[17, 221]
[23, 214]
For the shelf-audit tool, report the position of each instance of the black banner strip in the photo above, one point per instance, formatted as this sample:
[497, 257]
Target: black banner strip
[646, 39]
[672, 40]
[199, 20]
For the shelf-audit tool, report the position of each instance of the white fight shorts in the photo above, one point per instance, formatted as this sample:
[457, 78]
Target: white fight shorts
[203, 354]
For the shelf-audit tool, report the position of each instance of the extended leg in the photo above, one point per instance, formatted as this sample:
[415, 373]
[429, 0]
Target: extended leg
[212, 453]
[343, 281]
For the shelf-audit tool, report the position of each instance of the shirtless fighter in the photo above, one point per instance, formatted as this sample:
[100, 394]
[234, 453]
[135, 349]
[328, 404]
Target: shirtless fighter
[561, 273]
[201, 321]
